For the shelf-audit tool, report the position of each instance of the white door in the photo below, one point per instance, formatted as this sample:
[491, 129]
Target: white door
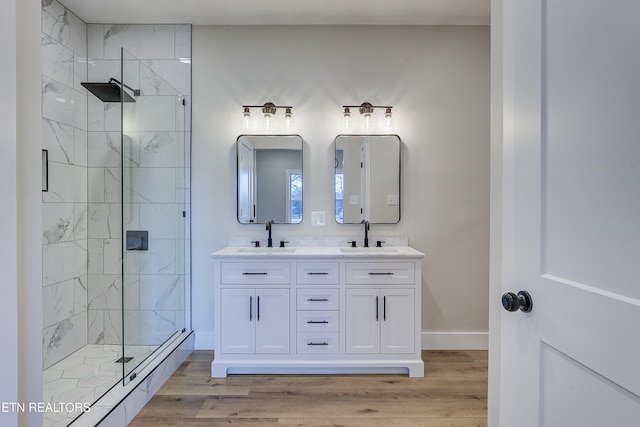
[237, 329]
[571, 215]
[365, 171]
[245, 184]
[396, 327]
[363, 321]
[272, 321]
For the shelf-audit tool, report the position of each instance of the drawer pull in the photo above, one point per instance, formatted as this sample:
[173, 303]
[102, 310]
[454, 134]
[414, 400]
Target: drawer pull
[315, 322]
[318, 274]
[318, 343]
[317, 299]
[254, 274]
[373, 273]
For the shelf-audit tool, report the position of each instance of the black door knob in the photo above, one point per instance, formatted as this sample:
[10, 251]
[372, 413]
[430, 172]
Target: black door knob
[510, 301]
[522, 301]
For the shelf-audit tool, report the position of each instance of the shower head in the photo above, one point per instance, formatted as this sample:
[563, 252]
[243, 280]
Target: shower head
[111, 91]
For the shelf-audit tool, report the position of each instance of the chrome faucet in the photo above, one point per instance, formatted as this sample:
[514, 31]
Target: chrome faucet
[269, 240]
[366, 233]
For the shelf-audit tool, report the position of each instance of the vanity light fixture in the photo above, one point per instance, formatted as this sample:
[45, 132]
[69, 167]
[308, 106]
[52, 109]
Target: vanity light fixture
[269, 109]
[366, 109]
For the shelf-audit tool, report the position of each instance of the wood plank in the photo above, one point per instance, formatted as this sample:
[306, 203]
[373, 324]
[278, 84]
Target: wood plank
[369, 385]
[207, 422]
[382, 422]
[263, 405]
[171, 407]
[202, 386]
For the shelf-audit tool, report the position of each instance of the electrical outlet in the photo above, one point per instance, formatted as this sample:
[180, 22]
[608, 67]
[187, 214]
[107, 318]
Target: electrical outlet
[393, 200]
[354, 200]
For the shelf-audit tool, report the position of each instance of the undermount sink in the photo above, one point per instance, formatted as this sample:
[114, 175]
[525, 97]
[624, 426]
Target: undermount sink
[371, 250]
[252, 250]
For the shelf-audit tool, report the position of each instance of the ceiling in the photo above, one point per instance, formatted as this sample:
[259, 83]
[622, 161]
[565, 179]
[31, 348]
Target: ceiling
[283, 12]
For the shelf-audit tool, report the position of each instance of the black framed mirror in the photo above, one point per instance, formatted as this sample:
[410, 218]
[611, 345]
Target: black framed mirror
[269, 179]
[367, 179]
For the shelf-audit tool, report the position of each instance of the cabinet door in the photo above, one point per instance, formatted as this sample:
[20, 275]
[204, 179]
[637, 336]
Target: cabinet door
[237, 314]
[363, 321]
[272, 321]
[397, 324]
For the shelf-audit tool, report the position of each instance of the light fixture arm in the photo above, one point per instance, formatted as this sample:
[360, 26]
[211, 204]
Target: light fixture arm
[268, 107]
[367, 107]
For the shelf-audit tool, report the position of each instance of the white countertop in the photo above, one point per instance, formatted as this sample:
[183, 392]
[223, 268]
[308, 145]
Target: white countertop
[318, 252]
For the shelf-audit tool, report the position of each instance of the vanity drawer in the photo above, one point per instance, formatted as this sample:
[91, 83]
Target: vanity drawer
[379, 273]
[254, 273]
[318, 321]
[317, 273]
[318, 299]
[314, 343]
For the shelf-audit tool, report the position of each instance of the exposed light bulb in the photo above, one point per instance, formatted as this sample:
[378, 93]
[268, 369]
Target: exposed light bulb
[387, 124]
[288, 120]
[367, 122]
[366, 109]
[267, 121]
[246, 119]
[346, 120]
[269, 110]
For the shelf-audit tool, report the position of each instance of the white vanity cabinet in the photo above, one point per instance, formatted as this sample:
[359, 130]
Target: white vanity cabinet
[256, 320]
[380, 321]
[380, 313]
[317, 310]
[254, 303]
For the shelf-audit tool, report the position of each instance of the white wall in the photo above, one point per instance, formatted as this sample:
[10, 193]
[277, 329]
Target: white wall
[20, 218]
[8, 191]
[437, 79]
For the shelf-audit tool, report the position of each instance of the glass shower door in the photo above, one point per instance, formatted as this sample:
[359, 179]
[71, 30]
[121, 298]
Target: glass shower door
[155, 196]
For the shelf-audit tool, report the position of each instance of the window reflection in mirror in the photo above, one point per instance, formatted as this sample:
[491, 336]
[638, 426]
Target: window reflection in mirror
[367, 179]
[269, 178]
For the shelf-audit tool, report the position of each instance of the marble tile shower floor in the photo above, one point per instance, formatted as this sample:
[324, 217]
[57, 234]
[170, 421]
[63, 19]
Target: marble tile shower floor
[83, 377]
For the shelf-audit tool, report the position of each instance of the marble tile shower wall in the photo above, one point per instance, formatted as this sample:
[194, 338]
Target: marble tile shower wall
[81, 211]
[64, 219]
[156, 149]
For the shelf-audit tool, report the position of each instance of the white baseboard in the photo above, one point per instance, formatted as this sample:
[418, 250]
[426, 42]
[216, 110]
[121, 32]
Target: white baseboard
[455, 340]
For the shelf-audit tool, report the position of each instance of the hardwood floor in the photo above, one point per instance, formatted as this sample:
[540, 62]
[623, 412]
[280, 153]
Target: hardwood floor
[453, 393]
